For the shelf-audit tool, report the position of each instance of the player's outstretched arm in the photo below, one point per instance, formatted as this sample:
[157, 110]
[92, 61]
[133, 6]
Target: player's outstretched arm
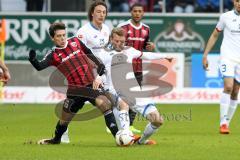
[152, 56]
[38, 65]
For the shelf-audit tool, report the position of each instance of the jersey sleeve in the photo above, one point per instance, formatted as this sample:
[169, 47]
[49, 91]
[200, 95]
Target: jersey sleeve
[153, 56]
[81, 34]
[133, 53]
[221, 23]
[44, 63]
[91, 56]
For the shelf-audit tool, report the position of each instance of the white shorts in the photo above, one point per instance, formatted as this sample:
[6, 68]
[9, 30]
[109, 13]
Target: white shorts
[230, 69]
[144, 108]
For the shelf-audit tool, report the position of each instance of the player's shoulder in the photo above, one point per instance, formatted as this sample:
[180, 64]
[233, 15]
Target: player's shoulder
[145, 25]
[104, 26]
[72, 40]
[86, 26]
[227, 14]
[84, 29]
[50, 53]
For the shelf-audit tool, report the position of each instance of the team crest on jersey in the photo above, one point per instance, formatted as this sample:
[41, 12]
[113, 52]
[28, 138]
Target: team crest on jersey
[74, 44]
[144, 32]
[80, 36]
[129, 32]
[95, 36]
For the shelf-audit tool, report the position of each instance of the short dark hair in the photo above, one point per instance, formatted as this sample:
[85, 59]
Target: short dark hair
[136, 5]
[92, 7]
[56, 26]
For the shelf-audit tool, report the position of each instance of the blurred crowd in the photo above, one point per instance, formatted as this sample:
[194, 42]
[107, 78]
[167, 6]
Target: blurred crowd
[175, 6]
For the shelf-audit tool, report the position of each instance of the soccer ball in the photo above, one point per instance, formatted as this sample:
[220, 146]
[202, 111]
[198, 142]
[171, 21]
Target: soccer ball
[124, 138]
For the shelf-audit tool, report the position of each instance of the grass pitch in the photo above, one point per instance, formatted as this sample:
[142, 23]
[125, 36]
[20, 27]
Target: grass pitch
[189, 132]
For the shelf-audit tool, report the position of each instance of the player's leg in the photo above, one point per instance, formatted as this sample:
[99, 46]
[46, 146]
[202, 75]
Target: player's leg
[227, 71]
[150, 112]
[233, 102]
[122, 115]
[70, 107]
[224, 104]
[132, 116]
[138, 73]
[155, 121]
[104, 105]
[76, 100]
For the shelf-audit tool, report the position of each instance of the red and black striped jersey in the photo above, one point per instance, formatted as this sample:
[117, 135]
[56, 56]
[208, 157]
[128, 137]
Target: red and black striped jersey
[136, 36]
[74, 61]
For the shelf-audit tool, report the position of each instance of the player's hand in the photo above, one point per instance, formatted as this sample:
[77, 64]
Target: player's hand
[5, 77]
[32, 54]
[101, 69]
[205, 63]
[97, 83]
[150, 46]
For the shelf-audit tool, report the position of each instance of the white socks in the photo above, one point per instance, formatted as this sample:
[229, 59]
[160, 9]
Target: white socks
[231, 110]
[227, 108]
[116, 113]
[123, 118]
[224, 105]
[149, 130]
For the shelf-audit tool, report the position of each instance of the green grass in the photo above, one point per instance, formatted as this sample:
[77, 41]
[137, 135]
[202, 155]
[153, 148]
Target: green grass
[189, 132]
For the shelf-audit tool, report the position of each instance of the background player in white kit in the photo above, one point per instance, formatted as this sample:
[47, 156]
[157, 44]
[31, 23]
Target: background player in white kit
[117, 48]
[94, 34]
[229, 23]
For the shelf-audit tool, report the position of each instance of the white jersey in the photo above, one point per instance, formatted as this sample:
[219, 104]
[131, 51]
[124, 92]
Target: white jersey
[94, 38]
[229, 23]
[142, 106]
[107, 57]
[130, 53]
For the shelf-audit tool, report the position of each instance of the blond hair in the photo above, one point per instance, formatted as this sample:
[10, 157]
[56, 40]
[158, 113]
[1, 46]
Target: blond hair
[118, 31]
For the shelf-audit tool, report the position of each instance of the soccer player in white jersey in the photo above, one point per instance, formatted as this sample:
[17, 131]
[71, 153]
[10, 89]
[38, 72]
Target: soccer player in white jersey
[94, 34]
[229, 23]
[149, 111]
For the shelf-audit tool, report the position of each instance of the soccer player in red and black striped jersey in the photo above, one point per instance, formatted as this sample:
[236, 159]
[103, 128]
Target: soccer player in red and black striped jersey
[137, 36]
[75, 61]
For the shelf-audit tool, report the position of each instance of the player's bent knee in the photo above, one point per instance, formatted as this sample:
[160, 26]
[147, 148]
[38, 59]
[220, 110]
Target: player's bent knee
[158, 122]
[228, 89]
[103, 103]
[156, 119]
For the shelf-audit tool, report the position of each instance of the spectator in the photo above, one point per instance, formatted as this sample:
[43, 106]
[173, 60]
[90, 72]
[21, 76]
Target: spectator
[183, 6]
[119, 5]
[228, 5]
[143, 2]
[207, 6]
[34, 5]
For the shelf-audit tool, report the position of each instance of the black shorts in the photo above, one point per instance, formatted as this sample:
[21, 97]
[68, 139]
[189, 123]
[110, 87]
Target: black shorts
[76, 98]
